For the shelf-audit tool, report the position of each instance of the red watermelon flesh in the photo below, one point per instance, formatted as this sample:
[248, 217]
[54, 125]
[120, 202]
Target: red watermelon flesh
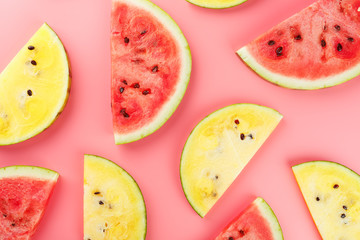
[317, 47]
[256, 222]
[22, 203]
[147, 67]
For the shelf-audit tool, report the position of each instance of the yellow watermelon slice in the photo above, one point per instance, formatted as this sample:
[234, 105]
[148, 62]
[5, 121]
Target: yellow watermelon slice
[216, 3]
[219, 148]
[332, 194]
[114, 207]
[34, 87]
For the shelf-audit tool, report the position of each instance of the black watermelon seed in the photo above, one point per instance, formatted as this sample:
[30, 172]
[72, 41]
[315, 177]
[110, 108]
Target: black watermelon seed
[135, 85]
[339, 47]
[124, 82]
[31, 47]
[29, 92]
[242, 136]
[350, 39]
[271, 42]
[13, 224]
[279, 51]
[298, 37]
[242, 233]
[33, 62]
[317, 199]
[216, 177]
[323, 43]
[237, 122]
[124, 113]
[337, 27]
[4, 215]
[96, 193]
[155, 69]
[143, 32]
[336, 186]
[345, 207]
[121, 90]
[146, 92]
[126, 40]
[251, 136]
[231, 238]
[101, 202]
[343, 215]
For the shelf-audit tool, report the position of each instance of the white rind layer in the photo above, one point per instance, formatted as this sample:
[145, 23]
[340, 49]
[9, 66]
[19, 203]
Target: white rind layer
[293, 82]
[28, 171]
[270, 216]
[169, 107]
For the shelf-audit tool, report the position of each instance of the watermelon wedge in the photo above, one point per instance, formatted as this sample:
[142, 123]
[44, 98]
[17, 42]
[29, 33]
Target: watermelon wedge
[114, 207]
[316, 48]
[24, 194]
[219, 148]
[332, 194]
[151, 65]
[256, 222]
[34, 87]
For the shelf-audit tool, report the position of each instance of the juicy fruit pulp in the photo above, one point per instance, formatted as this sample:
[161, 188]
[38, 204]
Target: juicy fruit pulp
[33, 87]
[219, 148]
[257, 221]
[216, 3]
[151, 66]
[24, 194]
[316, 48]
[332, 194]
[113, 204]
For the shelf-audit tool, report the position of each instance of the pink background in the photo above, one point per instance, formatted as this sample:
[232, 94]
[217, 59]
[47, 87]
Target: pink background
[317, 125]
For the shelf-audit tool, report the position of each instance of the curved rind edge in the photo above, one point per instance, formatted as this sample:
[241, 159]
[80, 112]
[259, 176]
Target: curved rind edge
[169, 108]
[217, 6]
[28, 171]
[329, 163]
[280, 116]
[270, 216]
[86, 156]
[293, 82]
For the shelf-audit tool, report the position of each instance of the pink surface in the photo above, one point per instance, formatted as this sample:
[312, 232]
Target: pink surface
[322, 124]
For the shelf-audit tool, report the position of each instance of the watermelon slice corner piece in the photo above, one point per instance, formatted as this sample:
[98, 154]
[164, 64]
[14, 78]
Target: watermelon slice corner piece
[332, 194]
[151, 66]
[257, 221]
[318, 47]
[24, 195]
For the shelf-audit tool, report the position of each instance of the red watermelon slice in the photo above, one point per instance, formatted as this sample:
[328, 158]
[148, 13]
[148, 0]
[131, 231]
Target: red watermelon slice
[256, 222]
[151, 65]
[24, 194]
[316, 48]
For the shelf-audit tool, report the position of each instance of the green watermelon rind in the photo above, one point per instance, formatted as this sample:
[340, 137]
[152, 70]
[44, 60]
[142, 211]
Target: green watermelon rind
[170, 106]
[28, 171]
[218, 6]
[293, 82]
[270, 216]
[204, 121]
[127, 174]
